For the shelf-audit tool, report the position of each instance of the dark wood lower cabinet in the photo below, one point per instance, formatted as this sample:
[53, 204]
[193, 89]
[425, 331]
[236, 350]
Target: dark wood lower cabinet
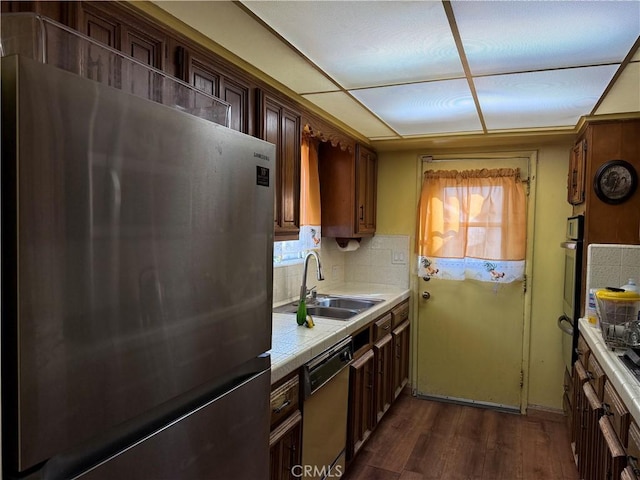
[362, 417]
[588, 461]
[401, 341]
[607, 442]
[285, 445]
[383, 351]
[611, 458]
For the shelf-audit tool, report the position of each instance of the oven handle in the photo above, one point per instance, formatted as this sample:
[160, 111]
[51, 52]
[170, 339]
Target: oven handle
[562, 319]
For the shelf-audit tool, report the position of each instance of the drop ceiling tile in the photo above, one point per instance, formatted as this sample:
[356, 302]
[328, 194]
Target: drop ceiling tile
[366, 43]
[232, 28]
[554, 98]
[424, 108]
[518, 36]
[341, 106]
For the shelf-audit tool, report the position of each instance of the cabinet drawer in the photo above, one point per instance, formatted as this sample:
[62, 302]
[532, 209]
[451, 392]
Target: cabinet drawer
[618, 414]
[400, 313]
[382, 327]
[633, 442]
[596, 375]
[583, 350]
[284, 400]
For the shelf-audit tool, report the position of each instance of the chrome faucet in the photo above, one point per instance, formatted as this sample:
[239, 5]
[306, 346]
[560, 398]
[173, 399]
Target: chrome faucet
[303, 287]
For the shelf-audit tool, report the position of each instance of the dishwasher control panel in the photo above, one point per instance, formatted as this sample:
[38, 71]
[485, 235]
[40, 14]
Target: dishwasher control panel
[325, 366]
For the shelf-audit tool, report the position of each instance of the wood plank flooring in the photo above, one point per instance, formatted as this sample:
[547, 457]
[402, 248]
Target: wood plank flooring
[421, 439]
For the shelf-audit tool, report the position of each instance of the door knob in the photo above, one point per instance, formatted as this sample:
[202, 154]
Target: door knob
[426, 295]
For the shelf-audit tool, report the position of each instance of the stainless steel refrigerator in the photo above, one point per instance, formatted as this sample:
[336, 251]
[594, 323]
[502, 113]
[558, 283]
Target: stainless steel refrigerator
[136, 286]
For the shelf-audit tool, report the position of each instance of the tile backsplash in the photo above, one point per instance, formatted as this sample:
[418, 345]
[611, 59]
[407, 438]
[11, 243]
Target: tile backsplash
[381, 259]
[611, 265]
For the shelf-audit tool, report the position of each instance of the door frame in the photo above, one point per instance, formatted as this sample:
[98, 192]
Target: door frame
[415, 285]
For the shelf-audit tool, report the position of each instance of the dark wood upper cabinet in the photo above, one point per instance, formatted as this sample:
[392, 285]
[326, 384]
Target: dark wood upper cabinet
[348, 191]
[200, 70]
[279, 124]
[575, 179]
[118, 29]
[367, 180]
[601, 142]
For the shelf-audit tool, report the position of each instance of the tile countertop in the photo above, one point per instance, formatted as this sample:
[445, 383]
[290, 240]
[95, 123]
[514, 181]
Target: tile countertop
[623, 381]
[293, 345]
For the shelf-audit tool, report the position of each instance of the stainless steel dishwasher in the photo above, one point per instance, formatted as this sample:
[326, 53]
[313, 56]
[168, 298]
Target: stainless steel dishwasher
[326, 401]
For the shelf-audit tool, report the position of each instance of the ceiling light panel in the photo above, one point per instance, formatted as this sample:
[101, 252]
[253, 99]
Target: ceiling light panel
[555, 98]
[424, 108]
[520, 36]
[365, 43]
[342, 106]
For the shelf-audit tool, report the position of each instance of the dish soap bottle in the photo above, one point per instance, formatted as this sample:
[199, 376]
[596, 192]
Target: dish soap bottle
[630, 286]
[301, 314]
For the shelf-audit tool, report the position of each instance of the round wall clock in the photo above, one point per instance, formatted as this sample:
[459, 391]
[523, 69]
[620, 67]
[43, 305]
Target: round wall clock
[615, 181]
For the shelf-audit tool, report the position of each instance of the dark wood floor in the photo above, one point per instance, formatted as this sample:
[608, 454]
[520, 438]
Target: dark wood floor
[421, 439]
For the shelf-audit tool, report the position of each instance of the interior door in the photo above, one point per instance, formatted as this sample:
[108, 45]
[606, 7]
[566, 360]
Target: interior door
[470, 333]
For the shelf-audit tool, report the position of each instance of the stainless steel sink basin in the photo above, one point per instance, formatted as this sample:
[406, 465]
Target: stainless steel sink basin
[339, 308]
[351, 303]
[331, 312]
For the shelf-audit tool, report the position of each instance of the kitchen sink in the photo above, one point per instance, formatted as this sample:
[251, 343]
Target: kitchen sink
[349, 303]
[339, 308]
[332, 312]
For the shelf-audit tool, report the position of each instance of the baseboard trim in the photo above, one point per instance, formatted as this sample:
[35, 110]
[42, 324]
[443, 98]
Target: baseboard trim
[470, 403]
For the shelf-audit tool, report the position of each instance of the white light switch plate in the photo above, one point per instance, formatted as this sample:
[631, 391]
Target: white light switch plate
[398, 258]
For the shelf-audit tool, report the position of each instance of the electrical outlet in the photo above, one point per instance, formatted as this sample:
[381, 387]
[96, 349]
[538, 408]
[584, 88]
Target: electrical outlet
[398, 258]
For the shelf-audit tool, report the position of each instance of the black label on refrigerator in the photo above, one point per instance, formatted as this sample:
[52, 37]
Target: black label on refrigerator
[262, 176]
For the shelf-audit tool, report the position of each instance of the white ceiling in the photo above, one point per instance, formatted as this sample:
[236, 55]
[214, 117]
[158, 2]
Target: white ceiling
[401, 70]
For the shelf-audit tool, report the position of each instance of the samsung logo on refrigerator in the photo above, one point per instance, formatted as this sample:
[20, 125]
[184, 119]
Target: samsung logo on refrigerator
[262, 156]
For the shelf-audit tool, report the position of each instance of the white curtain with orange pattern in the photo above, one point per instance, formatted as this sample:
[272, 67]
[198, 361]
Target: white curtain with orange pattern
[472, 224]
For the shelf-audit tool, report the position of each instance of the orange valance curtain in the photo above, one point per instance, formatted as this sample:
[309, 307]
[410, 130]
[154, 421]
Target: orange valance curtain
[309, 183]
[470, 220]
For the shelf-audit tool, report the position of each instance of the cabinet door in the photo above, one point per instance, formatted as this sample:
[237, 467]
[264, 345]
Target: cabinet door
[106, 23]
[612, 456]
[400, 358]
[201, 72]
[383, 350]
[575, 180]
[281, 126]
[618, 414]
[362, 418]
[285, 448]
[588, 464]
[366, 190]
[578, 433]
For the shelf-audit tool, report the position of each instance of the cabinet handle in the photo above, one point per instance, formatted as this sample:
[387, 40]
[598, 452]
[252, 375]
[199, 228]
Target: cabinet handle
[282, 407]
[361, 212]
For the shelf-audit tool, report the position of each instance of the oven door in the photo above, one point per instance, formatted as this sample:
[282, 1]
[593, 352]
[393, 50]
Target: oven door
[571, 292]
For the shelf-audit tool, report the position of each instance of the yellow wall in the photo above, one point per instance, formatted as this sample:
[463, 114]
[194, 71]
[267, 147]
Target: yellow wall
[397, 198]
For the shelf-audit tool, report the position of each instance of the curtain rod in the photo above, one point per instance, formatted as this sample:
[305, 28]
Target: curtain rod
[430, 159]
